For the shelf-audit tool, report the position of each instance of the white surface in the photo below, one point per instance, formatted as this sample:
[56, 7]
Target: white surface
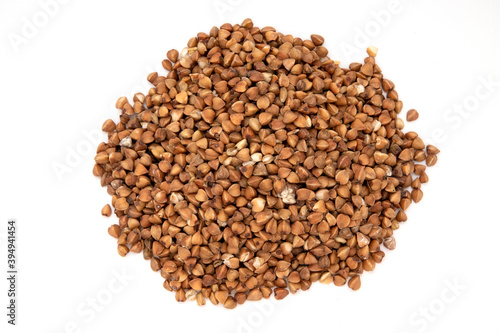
[64, 81]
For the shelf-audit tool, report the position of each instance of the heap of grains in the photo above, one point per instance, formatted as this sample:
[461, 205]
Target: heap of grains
[257, 166]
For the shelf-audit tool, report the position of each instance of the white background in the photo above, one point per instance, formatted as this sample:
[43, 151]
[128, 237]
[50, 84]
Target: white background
[63, 79]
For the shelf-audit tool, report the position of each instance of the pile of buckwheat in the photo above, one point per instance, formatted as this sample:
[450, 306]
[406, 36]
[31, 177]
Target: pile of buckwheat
[258, 166]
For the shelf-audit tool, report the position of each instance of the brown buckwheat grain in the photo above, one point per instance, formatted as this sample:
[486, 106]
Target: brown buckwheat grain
[258, 166]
